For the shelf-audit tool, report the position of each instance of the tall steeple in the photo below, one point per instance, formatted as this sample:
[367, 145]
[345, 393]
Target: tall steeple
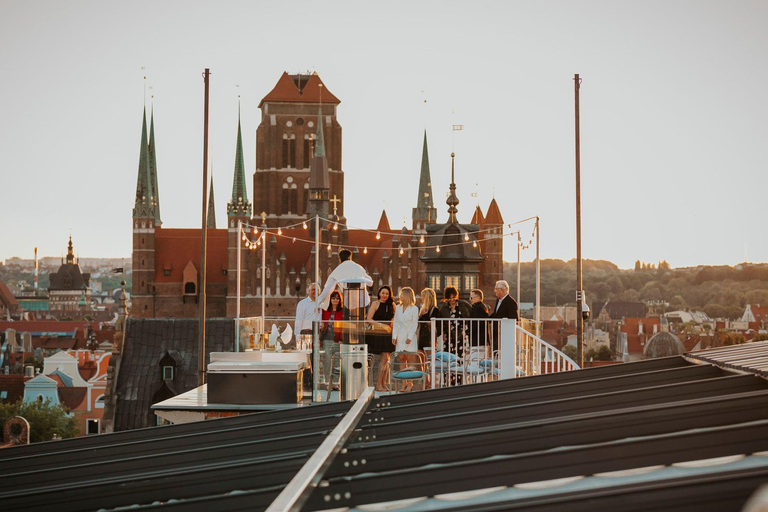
[155, 193]
[425, 211]
[143, 206]
[211, 207]
[452, 200]
[70, 251]
[319, 183]
[238, 205]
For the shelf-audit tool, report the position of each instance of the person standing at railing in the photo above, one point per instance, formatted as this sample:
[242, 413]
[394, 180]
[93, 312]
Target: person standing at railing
[478, 330]
[348, 270]
[381, 311]
[404, 329]
[506, 306]
[330, 335]
[427, 312]
[455, 335]
[307, 312]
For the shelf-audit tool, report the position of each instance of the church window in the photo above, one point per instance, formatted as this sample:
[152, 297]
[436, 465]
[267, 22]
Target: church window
[306, 152]
[433, 281]
[454, 281]
[289, 150]
[311, 124]
[168, 372]
[288, 124]
[300, 121]
[470, 281]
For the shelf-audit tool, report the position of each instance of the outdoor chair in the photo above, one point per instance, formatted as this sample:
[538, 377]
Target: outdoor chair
[412, 368]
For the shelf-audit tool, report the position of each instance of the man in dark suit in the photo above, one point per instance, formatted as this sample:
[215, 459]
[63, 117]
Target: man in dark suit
[506, 306]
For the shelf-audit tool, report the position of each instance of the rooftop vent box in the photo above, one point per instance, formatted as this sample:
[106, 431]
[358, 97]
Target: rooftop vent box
[256, 377]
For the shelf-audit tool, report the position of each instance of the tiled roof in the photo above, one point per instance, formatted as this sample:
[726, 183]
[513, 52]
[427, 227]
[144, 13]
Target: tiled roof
[299, 89]
[618, 310]
[174, 248]
[41, 327]
[146, 342]
[13, 385]
[72, 398]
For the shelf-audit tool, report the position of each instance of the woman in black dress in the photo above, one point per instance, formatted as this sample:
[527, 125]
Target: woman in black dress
[381, 311]
[427, 312]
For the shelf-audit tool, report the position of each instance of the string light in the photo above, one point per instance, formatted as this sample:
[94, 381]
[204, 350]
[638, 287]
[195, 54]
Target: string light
[255, 231]
[401, 251]
[474, 244]
[294, 240]
[466, 237]
[335, 226]
[304, 224]
[279, 231]
[378, 235]
[244, 237]
[437, 248]
[329, 247]
[421, 240]
[365, 251]
[258, 242]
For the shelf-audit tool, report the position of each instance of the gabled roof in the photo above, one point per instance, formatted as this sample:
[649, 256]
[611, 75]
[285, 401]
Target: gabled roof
[494, 214]
[477, 217]
[147, 340]
[383, 222]
[299, 89]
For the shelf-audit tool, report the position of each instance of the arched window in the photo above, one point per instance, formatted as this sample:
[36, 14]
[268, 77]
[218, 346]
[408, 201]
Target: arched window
[290, 197]
[189, 288]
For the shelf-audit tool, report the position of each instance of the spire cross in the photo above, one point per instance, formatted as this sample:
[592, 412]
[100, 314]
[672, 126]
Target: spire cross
[334, 201]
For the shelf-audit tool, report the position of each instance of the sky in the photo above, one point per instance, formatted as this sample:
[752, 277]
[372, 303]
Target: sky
[674, 116]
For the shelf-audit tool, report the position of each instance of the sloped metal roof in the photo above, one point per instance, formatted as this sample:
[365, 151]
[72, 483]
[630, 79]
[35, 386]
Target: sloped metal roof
[662, 434]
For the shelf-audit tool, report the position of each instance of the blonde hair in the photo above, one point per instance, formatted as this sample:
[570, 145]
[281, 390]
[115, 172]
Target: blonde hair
[407, 297]
[428, 300]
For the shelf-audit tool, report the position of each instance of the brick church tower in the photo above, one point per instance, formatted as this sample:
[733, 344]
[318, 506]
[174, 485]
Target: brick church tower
[285, 141]
[146, 217]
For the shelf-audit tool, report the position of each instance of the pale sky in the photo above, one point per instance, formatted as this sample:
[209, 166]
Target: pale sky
[674, 115]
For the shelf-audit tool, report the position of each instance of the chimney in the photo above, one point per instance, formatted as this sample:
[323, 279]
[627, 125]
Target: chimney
[29, 371]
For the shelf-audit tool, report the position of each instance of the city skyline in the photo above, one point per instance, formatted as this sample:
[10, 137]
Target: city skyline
[672, 116]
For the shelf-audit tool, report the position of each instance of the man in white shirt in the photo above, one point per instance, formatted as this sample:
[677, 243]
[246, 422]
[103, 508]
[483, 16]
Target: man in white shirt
[348, 270]
[307, 312]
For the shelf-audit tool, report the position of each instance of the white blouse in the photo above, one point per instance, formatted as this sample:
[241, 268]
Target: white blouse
[404, 327]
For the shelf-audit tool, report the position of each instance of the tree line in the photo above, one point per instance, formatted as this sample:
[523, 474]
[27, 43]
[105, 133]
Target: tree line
[719, 291]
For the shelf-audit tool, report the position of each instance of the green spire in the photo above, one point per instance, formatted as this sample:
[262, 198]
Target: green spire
[425, 206]
[320, 143]
[239, 205]
[143, 205]
[211, 206]
[155, 193]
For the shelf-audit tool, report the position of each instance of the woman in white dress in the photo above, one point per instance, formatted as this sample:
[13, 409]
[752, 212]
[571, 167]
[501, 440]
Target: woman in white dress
[404, 327]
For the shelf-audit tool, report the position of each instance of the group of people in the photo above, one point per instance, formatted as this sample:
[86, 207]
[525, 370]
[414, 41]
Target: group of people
[409, 322]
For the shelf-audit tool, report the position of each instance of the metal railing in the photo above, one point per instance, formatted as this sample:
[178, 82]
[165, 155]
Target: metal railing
[461, 351]
[465, 351]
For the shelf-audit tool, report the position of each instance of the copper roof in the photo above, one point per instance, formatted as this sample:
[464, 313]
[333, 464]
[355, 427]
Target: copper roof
[299, 89]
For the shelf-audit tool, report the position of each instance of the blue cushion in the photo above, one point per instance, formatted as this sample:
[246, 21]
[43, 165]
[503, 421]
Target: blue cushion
[489, 362]
[447, 357]
[474, 369]
[413, 374]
